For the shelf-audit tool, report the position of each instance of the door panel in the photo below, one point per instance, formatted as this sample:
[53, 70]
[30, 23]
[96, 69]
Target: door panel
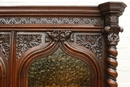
[59, 70]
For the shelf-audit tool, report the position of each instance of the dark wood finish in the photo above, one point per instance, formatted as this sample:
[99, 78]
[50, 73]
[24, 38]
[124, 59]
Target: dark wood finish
[47, 11]
[28, 33]
[112, 29]
[3, 70]
[12, 60]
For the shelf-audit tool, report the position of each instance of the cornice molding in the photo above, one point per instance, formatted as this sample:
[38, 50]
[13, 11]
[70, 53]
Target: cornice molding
[112, 8]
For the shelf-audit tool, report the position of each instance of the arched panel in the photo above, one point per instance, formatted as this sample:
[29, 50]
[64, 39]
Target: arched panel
[87, 56]
[84, 56]
[86, 33]
[59, 70]
[31, 55]
[3, 71]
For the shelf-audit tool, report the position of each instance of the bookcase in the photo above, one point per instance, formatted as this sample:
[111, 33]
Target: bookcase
[59, 46]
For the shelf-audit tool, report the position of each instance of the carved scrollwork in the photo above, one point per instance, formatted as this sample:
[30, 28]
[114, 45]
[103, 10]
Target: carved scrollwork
[4, 44]
[25, 42]
[58, 35]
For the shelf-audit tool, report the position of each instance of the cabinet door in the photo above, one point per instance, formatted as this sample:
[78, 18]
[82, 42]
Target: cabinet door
[59, 70]
[53, 46]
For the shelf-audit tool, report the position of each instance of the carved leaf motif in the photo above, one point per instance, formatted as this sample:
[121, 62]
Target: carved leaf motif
[25, 42]
[53, 20]
[58, 35]
[4, 44]
[91, 42]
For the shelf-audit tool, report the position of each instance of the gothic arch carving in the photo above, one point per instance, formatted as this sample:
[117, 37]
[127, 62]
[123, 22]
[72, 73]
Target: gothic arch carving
[44, 50]
[88, 33]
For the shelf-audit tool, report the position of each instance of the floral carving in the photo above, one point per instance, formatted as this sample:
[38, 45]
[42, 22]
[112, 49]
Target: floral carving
[58, 35]
[51, 20]
[25, 42]
[4, 44]
[91, 42]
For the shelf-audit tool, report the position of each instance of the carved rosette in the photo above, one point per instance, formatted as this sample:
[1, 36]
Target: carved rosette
[4, 44]
[57, 36]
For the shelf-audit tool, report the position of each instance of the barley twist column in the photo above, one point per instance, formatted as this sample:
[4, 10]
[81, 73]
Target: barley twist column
[112, 38]
[111, 12]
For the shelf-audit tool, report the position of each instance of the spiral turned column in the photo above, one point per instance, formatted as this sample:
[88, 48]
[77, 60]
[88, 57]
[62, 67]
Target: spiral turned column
[112, 39]
[111, 12]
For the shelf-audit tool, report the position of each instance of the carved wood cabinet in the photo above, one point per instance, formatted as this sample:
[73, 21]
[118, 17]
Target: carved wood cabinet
[59, 46]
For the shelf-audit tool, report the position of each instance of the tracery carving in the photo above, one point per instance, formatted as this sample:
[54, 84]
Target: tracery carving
[25, 42]
[91, 42]
[51, 20]
[58, 35]
[112, 34]
[4, 44]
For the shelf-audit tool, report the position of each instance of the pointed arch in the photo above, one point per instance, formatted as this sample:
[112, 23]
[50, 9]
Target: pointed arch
[44, 50]
[87, 56]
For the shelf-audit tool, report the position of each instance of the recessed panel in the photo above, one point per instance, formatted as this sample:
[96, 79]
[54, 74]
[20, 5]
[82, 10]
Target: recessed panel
[59, 70]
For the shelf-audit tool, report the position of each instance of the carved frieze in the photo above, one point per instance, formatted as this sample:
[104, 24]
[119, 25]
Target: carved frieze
[4, 44]
[25, 42]
[91, 42]
[51, 20]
